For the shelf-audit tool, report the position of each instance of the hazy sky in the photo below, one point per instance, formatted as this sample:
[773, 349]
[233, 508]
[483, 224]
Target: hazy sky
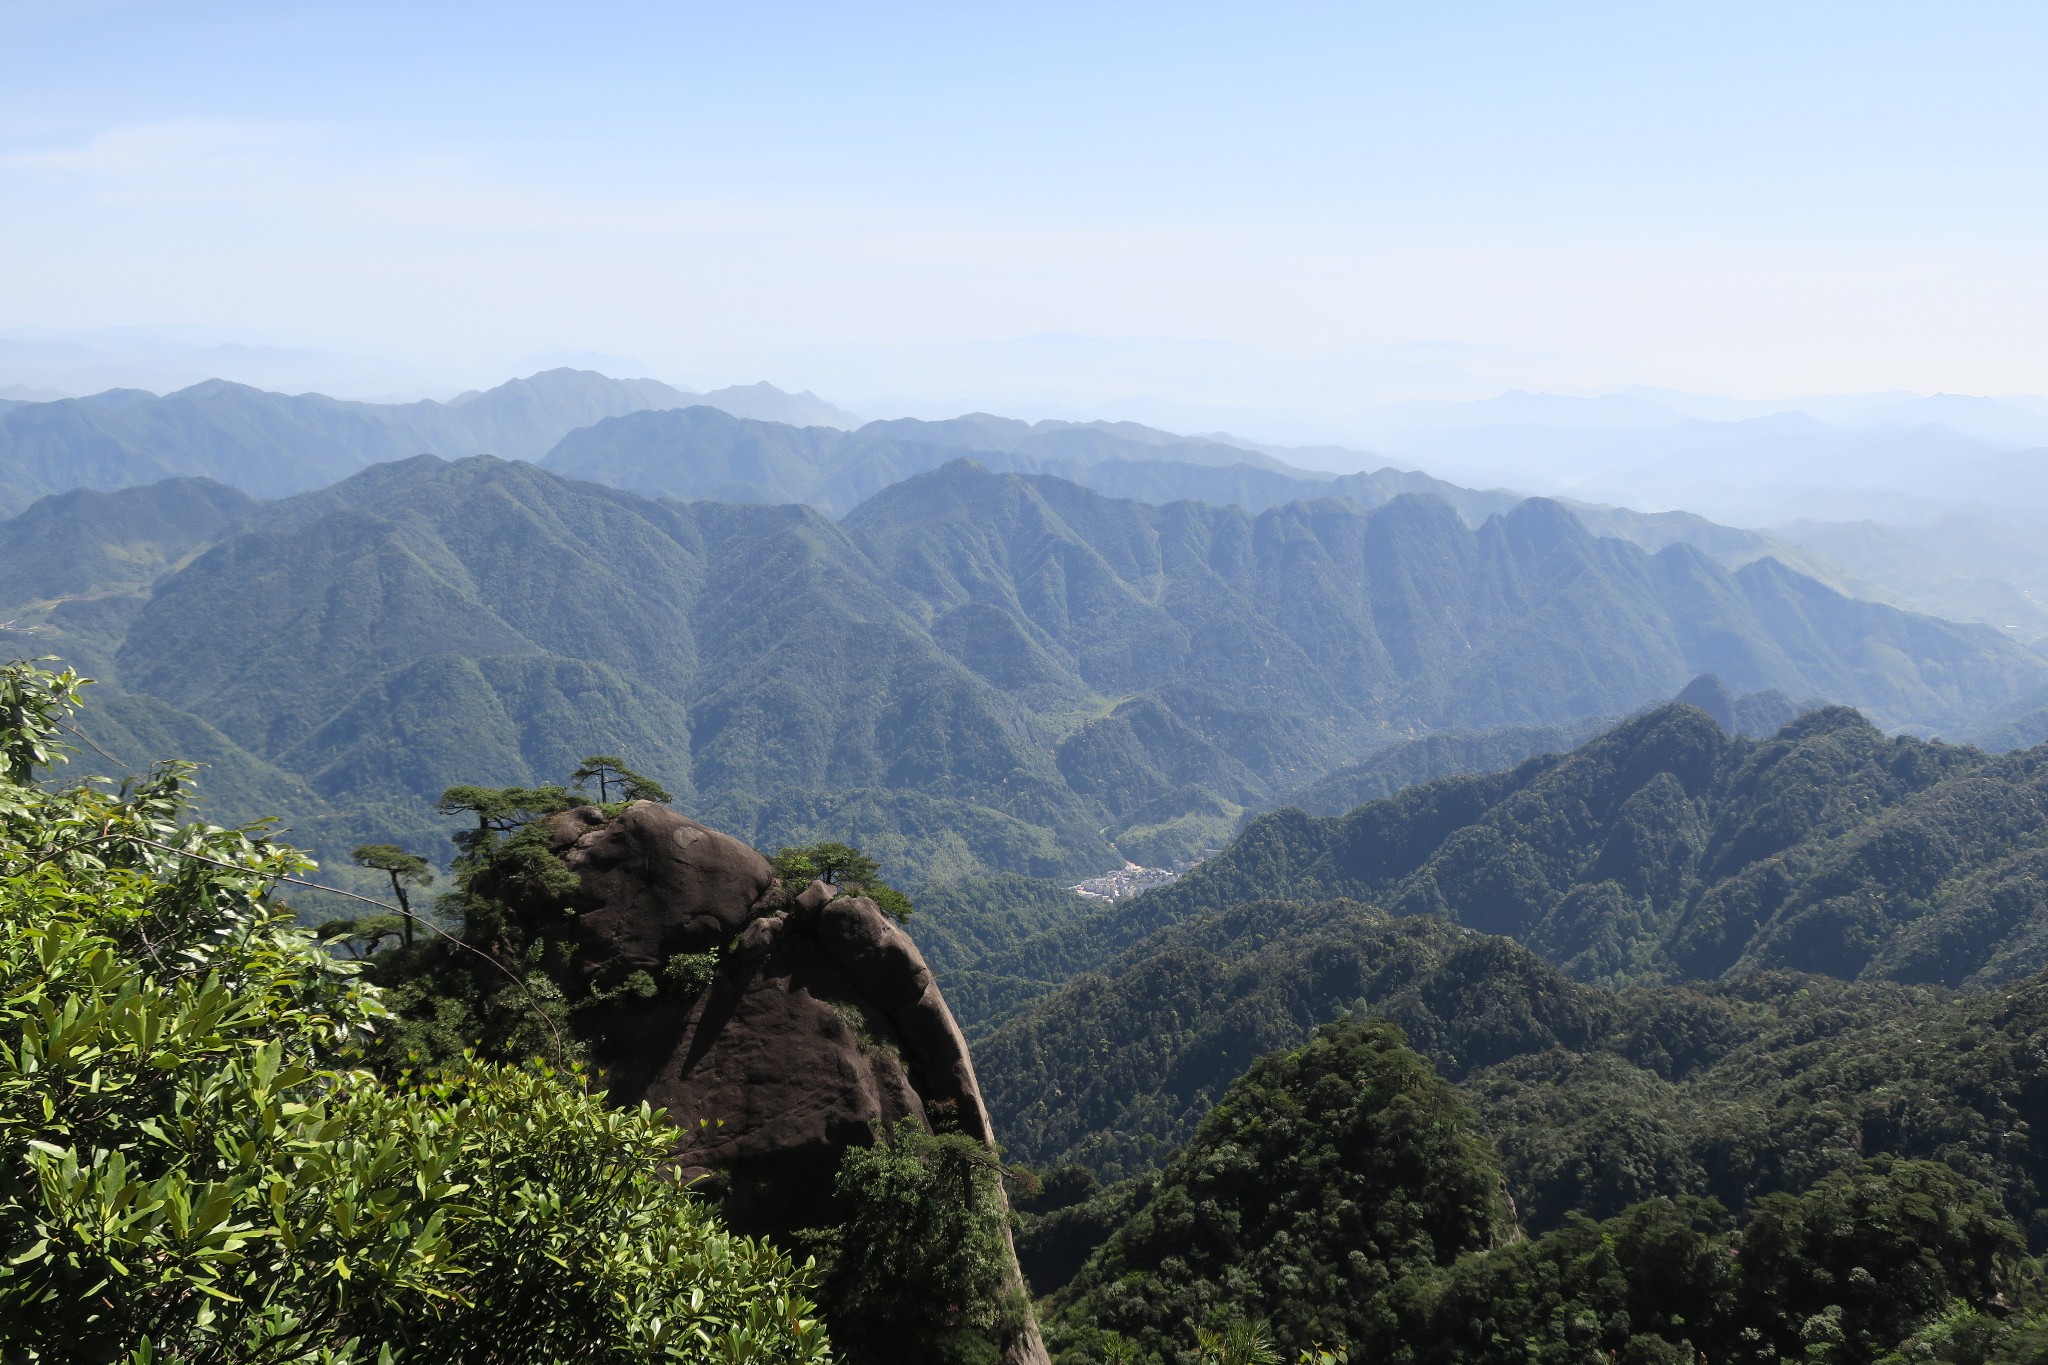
[1314, 203]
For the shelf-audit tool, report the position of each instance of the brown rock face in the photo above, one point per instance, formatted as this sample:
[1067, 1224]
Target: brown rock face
[654, 885]
[820, 1021]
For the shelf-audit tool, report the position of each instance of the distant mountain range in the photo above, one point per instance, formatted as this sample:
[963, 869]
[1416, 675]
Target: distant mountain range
[756, 443]
[1964, 569]
[971, 672]
[271, 445]
[1748, 463]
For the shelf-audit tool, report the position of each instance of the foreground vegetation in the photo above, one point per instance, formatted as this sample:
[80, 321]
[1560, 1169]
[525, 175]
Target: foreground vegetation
[193, 1167]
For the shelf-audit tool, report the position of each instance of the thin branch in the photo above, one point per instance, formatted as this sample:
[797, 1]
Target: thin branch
[82, 737]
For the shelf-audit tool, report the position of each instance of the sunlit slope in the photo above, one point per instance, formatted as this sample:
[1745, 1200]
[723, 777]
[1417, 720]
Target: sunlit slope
[977, 671]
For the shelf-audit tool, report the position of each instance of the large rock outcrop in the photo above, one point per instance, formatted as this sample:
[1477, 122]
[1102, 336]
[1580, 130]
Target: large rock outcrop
[776, 1030]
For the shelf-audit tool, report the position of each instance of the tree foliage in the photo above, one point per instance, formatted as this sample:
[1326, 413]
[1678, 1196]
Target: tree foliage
[612, 772]
[1324, 1174]
[483, 988]
[1276, 1216]
[192, 1168]
[1839, 1275]
[915, 1270]
[405, 870]
[853, 872]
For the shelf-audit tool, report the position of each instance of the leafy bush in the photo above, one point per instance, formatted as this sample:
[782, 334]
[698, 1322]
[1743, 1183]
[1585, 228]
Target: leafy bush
[190, 1169]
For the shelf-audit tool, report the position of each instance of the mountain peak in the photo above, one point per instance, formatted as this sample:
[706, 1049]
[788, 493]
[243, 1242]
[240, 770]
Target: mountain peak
[1544, 523]
[1712, 696]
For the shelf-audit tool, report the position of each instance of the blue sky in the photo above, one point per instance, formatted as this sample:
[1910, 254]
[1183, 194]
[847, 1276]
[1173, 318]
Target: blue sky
[1300, 204]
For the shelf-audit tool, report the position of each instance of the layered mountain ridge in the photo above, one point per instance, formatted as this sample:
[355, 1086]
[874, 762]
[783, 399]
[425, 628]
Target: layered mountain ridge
[972, 672]
[272, 444]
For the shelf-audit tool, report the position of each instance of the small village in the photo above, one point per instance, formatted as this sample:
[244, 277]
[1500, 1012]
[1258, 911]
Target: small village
[1132, 879]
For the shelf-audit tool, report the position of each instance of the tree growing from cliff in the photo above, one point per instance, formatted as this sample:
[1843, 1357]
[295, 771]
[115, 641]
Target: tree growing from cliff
[612, 772]
[498, 811]
[845, 867]
[364, 935]
[482, 990]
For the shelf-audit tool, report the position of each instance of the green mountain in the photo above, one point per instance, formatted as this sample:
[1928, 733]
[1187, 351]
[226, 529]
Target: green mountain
[1668, 849]
[1326, 1174]
[1781, 1098]
[973, 672]
[1596, 1097]
[425, 623]
[1333, 620]
[1114, 1069]
[87, 543]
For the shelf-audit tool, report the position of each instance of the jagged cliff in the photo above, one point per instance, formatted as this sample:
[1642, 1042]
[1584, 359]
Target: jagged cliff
[779, 1029]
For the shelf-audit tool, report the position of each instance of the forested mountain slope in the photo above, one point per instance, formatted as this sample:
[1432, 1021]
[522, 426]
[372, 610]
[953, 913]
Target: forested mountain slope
[1668, 849]
[87, 542]
[1341, 1192]
[973, 672]
[429, 623]
[1597, 1097]
[1399, 616]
